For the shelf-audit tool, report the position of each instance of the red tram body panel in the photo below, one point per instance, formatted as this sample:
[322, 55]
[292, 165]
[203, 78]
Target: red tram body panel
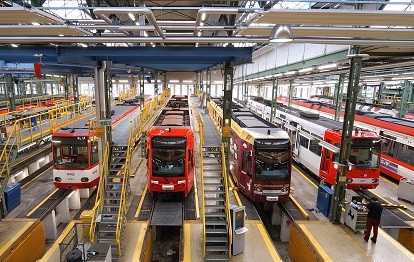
[170, 150]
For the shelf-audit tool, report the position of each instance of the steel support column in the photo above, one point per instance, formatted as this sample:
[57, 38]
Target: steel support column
[407, 94]
[346, 139]
[75, 89]
[274, 99]
[379, 95]
[102, 104]
[141, 90]
[290, 92]
[227, 103]
[10, 92]
[156, 83]
[338, 96]
[208, 89]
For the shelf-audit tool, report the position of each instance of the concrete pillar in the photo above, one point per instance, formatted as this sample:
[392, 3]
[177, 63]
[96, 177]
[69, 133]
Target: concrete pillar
[276, 215]
[285, 228]
[74, 200]
[50, 226]
[62, 212]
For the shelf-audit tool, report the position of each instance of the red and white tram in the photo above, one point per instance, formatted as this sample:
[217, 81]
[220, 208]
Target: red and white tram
[316, 143]
[170, 145]
[397, 154]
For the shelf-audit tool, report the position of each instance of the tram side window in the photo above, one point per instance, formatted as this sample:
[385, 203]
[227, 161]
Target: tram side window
[404, 153]
[314, 147]
[247, 163]
[303, 141]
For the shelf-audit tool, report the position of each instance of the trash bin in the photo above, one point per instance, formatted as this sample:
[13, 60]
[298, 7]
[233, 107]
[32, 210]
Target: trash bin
[12, 195]
[239, 230]
[323, 202]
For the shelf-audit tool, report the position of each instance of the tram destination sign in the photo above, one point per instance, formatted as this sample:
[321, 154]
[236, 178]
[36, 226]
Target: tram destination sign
[105, 122]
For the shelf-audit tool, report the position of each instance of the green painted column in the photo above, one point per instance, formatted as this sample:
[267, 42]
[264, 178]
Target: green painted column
[156, 83]
[227, 103]
[274, 99]
[379, 95]
[346, 139]
[407, 96]
[290, 92]
[208, 89]
[10, 92]
[338, 96]
[141, 90]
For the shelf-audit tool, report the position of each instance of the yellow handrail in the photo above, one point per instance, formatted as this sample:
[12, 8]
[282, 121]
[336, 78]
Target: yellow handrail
[97, 208]
[225, 179]
[201, 132]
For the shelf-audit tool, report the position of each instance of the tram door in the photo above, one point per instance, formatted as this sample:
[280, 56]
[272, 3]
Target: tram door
[246, 171]
[296, 146]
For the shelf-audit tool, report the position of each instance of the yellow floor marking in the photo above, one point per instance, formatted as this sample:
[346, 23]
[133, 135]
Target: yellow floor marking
[187, 243]
[301, 209]
[141, 201]
[321, 251]
[4, 248]
[396, 244]
[389, 181]
[356, 243]
[402, 211]
[196, 198]
[297, 170]
[25, 185]
[268, 242]
[41, 203]
[136, 169]
[140, 243]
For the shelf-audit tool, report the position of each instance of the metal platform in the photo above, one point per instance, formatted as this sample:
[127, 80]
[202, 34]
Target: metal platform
[120, 131]
[167, 214]
[390, 220]
[211, 136]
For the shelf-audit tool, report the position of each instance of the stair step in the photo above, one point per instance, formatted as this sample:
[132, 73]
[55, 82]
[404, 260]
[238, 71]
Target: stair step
[111, 205]
[222, 231]
[218, 199]
[113, 190]
[216, 248]
[217, 239]
[216, 223]
[107, 229]
[112, 198]
[209, 257]
[214, 206]
[213, 183]
[214, 191]
[210, 167]
[116, 169]
[215, 215]
[110, 212]
[107, 239]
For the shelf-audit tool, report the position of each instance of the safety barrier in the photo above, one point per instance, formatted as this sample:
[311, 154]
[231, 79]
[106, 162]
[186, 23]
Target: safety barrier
[201, 133]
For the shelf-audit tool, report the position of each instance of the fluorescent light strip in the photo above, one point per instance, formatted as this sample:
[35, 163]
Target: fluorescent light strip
[327, 66]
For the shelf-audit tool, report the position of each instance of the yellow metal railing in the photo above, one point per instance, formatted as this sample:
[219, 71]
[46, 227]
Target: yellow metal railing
[226, 183]
[100, 192]
[201, 133]
[128, 94]
[47, 123]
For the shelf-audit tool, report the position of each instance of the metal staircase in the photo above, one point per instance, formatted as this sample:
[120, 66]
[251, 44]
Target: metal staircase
[8, 155]
[215, 205]
[116, 192]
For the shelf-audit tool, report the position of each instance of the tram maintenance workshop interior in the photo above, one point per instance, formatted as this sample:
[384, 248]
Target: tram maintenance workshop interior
[346, 67]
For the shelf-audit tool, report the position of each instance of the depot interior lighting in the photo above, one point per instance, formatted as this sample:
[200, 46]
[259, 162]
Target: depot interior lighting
[281, 34]
[132, 16]
[305, 70]
[174, 81]
[328, 66]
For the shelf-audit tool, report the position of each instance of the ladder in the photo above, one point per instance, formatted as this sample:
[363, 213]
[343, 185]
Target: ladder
[113, 215]
[216, 227]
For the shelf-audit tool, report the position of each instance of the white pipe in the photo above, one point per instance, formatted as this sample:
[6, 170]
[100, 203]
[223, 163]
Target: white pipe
[93, 39]
[101, 13]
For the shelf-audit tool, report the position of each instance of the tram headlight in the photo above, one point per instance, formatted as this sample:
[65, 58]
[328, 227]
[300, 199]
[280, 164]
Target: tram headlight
[349, 180]
[84, 179]
[375, 180]
[58, 179]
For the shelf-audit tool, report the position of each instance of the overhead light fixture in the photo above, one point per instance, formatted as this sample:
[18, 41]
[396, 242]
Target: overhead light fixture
[281, 34]
[187, 81]
[290, 73]
[61, 35]
[35, 23]
[328, 66]
[201, 24]
[123, 81]
[83, 45]
[203, 16]
[218, 82]
[403, 78]
[14, 45]
[132, 16]
[174, 81]
[145, 34]
[196, 45]
[305, 70]
[199, 33]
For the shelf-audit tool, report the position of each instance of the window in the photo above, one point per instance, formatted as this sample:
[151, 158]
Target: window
[314, 147]
[247, 163]
[190, 159]
[303, 141]
[397, 150]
